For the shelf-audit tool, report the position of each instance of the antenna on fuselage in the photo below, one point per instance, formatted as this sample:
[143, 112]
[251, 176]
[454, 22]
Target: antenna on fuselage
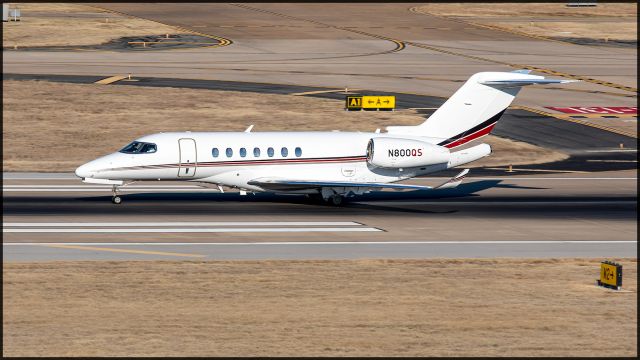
[249, 128]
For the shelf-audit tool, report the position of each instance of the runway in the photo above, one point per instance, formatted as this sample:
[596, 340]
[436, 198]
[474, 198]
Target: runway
[545, 210]
[56, 217]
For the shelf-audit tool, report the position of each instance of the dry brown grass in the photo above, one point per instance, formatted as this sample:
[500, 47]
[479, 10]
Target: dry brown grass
[558, 9]
[43, 25]
[57, 127]
[563, 29]
[625, 26]
[495, 307]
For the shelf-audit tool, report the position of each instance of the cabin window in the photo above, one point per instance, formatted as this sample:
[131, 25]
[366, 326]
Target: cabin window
[256, 152]
[298, 152]
[138, 147]
[243, 152]
[229, 152]
[284, 151]
[270, 152]
[215, 152]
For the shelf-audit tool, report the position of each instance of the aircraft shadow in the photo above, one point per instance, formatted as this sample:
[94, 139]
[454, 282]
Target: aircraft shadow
[463, 190]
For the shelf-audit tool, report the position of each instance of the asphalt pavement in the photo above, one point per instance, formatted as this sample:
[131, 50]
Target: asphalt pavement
[56, 217]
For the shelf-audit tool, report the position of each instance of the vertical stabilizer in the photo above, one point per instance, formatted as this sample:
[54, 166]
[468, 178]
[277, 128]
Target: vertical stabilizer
[474, 109]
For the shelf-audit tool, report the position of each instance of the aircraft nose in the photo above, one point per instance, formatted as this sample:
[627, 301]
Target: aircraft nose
[84, 171]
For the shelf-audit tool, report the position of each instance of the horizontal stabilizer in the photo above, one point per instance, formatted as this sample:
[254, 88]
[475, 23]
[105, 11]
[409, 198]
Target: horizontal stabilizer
[476, 105]
[524, 82]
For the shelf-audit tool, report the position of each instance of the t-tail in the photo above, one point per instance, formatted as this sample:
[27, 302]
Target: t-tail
[474, 110]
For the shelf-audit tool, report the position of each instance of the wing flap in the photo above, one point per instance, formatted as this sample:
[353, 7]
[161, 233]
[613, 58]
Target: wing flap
[274, 184]
[291, 185]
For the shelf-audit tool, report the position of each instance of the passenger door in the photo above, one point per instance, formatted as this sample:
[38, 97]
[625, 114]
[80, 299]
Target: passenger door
[188, 158]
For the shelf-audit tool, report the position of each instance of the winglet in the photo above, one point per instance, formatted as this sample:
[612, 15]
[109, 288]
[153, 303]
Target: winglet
[249, 128]
[454, 181]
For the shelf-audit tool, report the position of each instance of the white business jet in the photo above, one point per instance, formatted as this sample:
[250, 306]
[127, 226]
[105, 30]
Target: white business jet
[331, 165]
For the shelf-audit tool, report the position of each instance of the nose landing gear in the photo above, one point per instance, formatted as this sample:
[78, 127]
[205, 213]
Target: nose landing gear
[116, 199]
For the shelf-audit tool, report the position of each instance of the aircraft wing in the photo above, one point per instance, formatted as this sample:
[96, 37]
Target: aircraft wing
[275, 184]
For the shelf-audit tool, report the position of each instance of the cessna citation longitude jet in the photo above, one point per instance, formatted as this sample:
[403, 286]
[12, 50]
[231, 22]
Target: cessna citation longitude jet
[332, 165]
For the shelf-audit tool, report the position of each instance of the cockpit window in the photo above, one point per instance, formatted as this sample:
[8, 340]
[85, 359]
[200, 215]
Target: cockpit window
[138, 147]
[148, 148]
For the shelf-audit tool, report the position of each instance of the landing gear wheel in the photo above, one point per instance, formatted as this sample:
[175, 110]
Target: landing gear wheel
[115, 199]
[336, 200]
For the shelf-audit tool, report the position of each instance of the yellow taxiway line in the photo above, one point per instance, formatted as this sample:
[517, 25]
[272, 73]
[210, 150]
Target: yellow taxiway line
[110, 80]
[221, 41]
[520, 66]
[124, 251]
[322, 92]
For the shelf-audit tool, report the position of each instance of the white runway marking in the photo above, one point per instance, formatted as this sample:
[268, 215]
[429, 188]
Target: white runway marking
[471, 203]
[192, 230]
[540, 178]
[186, 227]
[103, 186]
[194, 223]
[460, 242]
[120, 190]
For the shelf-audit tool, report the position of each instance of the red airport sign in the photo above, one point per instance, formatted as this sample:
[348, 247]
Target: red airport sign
[619, 110]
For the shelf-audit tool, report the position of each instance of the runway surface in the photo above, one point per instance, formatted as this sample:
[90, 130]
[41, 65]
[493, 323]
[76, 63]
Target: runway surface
[297, 48]
[56, 217]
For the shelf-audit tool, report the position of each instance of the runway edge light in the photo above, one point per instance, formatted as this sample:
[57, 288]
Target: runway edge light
[610, 275]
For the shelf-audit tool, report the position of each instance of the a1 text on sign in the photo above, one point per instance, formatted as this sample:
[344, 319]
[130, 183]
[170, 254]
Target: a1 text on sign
[370, 102]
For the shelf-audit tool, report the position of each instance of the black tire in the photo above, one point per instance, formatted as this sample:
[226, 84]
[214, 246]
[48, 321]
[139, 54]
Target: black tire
[336, 200]
[116, 200]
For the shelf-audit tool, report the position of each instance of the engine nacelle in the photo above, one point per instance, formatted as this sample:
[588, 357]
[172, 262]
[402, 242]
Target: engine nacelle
[404, 153]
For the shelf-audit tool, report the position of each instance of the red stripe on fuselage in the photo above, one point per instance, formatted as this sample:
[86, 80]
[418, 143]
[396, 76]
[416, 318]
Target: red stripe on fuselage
[248, 162]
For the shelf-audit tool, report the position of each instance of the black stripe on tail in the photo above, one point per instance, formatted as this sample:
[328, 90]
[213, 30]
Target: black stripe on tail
[474, 129]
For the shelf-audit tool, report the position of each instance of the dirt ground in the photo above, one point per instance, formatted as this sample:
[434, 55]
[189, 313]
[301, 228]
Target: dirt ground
[501, 307]
[48, 24]
[611, 21]
[76, 123]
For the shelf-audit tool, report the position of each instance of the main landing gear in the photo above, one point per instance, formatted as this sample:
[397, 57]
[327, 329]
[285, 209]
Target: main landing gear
[116, 199]
[335, 199]
[332, 196]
